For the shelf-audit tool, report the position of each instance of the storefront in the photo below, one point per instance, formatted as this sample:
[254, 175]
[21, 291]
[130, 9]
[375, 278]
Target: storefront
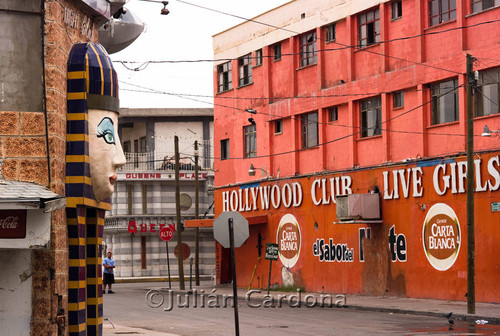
[401, 231]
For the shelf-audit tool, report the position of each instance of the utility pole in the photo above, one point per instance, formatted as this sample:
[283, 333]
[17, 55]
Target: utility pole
[196, 216]
[178, 214]
[471, 245]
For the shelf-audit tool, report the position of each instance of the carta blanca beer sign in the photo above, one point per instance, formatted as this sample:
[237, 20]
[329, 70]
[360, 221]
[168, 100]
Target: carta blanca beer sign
[441, 236]
[12, 223]
[288, 239]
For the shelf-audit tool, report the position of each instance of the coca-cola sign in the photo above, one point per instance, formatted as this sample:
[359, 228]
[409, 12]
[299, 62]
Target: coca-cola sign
[12, 223]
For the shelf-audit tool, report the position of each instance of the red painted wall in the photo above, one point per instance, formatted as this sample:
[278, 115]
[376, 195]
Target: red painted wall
[412, 57]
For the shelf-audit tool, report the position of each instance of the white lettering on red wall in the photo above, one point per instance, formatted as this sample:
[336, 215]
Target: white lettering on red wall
[12, 223]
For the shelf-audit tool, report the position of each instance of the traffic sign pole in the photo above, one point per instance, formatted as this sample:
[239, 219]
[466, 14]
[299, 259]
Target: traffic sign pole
[269, 281]
[233, 266]
[168, 267]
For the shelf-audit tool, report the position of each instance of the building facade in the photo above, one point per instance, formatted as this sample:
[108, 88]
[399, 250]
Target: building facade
[352, 118]
[144, 198]
[42, 291]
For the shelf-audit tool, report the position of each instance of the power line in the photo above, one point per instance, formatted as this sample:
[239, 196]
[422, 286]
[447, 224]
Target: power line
[344, 46]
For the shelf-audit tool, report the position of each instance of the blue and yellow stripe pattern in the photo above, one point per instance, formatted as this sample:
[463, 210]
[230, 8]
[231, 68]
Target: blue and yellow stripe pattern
[91, 84]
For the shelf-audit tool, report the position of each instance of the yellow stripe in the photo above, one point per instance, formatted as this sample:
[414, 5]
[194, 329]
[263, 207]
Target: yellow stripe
[76, 284]
[100, 68]
[76, 262]
[76, 306]
[77, 137]
[77, 95]
[77, 158]
[78, 179]
[93, 321]
[93, 241]
[110, 67]
[77, 116]
[76, 74]
[76, 241]
[93, 301]
[77, 328]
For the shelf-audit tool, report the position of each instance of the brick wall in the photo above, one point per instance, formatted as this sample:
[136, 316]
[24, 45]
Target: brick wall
[23, 157]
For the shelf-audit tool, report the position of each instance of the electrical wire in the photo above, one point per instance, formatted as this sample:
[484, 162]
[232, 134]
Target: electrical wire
[344, 46]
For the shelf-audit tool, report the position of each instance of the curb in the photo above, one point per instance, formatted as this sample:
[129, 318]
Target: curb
[456, 316]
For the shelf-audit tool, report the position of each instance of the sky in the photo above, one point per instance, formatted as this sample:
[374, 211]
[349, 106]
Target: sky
[184, 34]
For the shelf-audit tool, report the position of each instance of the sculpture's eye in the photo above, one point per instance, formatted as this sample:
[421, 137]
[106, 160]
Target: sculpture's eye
[109, 138]
[106, 131]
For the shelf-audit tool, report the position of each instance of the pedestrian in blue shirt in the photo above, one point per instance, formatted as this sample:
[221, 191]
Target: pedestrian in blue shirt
[109, 276]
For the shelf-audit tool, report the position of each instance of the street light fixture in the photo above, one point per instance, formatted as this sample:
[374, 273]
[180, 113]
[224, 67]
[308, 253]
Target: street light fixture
[487, 132]
[251, 171]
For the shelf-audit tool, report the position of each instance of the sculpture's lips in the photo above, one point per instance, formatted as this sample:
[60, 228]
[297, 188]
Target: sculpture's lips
[112, 179]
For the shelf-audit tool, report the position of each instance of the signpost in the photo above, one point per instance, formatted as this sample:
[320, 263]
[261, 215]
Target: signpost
[166, 234]
[272, 251]
[231, 230]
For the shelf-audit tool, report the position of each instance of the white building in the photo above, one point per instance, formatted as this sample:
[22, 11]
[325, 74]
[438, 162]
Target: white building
[144, 197]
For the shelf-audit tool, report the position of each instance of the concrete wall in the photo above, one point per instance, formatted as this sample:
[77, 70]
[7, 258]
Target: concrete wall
[15, 292]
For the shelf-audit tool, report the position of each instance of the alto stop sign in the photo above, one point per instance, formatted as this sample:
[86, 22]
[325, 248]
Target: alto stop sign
[240, 228]
[166, 233]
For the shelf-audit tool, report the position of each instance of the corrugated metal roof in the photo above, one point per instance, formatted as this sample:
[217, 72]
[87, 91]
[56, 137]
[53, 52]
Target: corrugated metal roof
[16, 191]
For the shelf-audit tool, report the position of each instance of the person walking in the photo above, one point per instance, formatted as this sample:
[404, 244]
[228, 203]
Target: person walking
[109, 276]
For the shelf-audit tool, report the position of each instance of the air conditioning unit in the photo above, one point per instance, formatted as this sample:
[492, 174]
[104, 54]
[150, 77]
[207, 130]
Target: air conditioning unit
[358, 206]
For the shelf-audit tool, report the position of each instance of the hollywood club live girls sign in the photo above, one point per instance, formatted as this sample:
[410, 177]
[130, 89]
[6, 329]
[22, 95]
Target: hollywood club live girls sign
[436, 184]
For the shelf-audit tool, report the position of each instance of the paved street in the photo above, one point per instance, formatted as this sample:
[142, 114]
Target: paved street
[128, 308]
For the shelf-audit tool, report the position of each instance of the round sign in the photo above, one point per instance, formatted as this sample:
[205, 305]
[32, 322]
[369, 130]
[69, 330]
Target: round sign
[186, 251]
[441, 236]
[288, 239]
[166, 233]
[185, 202]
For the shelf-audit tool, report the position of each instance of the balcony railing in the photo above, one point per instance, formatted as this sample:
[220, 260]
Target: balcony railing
[166, 161]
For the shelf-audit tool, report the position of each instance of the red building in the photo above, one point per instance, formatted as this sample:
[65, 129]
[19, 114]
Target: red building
[337, 98]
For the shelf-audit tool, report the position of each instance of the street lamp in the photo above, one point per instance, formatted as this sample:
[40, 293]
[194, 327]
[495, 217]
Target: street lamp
[487, 132]
[251, 171]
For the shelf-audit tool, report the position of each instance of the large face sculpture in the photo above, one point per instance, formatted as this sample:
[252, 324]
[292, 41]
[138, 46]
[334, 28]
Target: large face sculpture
[105, 152]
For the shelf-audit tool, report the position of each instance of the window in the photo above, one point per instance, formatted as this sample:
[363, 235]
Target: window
[250, 141]
[333, 113]
[398, 99]
[130, 199]
[245, 70]
[278, 126]
[224, 149]
[480, 5]
[144, 199]
[310, 130]
[330, 32]
[143, 252]
[258, 57]
[371, 117]
[444, 102]
[487, 94]
[142, 145]
[308, 48]
[396, 10]
[224, 77]
[369, 28]
[277, 51]
[441, 11]
[136, 150]
[126, 146]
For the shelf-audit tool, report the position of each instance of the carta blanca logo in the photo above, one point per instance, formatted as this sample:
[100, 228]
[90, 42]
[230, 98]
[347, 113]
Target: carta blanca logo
[331, 252]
